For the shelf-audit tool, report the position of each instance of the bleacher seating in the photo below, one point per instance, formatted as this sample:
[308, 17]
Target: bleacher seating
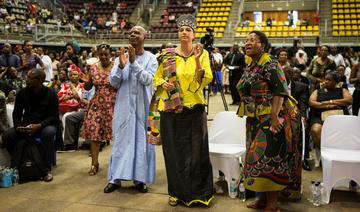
[19, 17]
[345, 17]
[19, 11]
[279, 29]
[168, 30]
[215, 14]
[100, 8]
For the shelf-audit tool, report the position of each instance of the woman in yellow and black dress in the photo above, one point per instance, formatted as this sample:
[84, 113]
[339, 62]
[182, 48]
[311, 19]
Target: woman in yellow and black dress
[182, 74]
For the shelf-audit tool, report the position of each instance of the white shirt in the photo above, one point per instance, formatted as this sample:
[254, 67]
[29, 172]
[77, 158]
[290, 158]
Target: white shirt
[304, 54]
[218, 57]
[338, 59]
[47, 67]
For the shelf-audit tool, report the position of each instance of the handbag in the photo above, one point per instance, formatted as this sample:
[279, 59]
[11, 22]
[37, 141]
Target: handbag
[65, 107]
[328, 113]
[153, 129]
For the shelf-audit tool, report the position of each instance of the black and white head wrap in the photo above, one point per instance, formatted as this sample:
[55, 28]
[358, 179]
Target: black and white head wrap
[187, 20]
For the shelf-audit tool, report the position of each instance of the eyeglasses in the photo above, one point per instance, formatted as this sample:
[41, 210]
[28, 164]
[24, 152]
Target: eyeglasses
[107, 46]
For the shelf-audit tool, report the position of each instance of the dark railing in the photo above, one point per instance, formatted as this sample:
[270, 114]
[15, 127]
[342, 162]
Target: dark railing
[44, 33]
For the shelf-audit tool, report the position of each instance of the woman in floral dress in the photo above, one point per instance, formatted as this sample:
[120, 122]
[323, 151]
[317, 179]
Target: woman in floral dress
[98, 118]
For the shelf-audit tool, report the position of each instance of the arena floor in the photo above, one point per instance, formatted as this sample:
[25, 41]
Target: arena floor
[73, 190]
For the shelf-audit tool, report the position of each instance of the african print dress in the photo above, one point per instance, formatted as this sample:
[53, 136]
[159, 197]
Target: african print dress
[98, 118]
[267, 164]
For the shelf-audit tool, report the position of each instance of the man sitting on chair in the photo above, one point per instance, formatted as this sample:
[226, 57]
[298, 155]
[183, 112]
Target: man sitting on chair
[36, 113]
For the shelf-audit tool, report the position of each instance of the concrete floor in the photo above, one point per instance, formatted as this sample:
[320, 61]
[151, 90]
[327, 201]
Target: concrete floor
[73, 190]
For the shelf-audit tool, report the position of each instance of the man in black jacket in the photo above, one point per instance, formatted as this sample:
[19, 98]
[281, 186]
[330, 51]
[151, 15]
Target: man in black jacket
[300, 92]
[235, 62]
[36, 114]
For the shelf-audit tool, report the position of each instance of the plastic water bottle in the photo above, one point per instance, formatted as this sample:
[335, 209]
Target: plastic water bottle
[218, 189]
[233, 188]
[15, 176]
[323, 194]
[242, 192]
[6, 176]
[317, 195]
[312, 189]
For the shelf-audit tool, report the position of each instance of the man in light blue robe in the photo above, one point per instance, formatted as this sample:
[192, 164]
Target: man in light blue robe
[132, 157]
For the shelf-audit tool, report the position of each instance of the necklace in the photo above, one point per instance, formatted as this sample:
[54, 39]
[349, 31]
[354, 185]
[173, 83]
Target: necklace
[181, 53]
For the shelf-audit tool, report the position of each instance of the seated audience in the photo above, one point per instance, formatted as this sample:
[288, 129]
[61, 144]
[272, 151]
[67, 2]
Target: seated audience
[342, 78]
[35, 114]
[4, 124]
[74, 121]
[269, 22]
[70, 94]
[300, 91]
[319, 66]
[5, 87]
[14, 80]
[297, 76]
[326, 100]
[355, 79]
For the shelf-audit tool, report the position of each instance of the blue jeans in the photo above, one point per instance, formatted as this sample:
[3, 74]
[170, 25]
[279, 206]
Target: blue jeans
[15, 141]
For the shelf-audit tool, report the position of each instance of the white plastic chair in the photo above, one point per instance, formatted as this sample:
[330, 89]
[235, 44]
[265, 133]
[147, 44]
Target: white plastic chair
[227, 144]
[340, 151]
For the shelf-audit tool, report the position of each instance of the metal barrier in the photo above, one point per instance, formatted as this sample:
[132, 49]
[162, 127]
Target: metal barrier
[45, 33]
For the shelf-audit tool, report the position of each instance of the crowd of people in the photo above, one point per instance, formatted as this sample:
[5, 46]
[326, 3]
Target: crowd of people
[25, 13]
[116, 22]
[31, 13]
[109, 93]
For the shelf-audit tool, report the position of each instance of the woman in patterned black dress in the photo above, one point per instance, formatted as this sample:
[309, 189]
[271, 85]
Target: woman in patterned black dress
[263, 91]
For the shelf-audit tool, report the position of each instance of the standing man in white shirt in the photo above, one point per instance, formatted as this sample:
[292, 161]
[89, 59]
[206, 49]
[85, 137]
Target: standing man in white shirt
[336, 57]
[47, 64]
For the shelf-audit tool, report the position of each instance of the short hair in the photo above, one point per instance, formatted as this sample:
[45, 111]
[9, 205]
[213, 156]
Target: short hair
[69, 44]
[27, 41]
[39, 74]
[340, 65]
[141, 29]
[282, 50]
[263, 39]
[326, 46]
[334, 75]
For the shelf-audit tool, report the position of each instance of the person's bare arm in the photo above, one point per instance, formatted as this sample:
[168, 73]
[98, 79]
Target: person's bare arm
[353, 79]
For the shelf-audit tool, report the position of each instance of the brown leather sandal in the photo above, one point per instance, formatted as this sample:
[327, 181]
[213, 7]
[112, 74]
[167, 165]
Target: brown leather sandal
[94, 169]
[257, 204]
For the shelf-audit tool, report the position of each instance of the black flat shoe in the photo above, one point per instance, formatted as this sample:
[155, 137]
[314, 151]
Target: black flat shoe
[111, 187]
[141, 187]
[305, 165]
